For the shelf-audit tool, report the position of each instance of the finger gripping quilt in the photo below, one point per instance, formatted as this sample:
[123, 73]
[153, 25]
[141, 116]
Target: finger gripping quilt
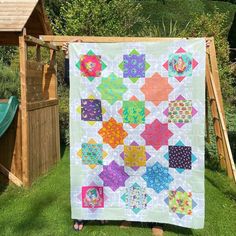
[137, 114]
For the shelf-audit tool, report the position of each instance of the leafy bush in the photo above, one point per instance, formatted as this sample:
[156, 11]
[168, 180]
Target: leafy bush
[182, 10]
[215, 25]
[7, 53]
[98, 18]
[9, 82]
[63, 93]
[165, 29]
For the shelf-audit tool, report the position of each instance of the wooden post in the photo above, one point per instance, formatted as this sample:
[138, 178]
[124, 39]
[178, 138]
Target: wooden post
[219, 121]
[215, 74]
[215, 117]
[24, 112]
[230, 166]
[38, 53]
[207, 117]
[11, 176]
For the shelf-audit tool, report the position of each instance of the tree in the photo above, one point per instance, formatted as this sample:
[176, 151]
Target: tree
[7, 53]
[98, 17]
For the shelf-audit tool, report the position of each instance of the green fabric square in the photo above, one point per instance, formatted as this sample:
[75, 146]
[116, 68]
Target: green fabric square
[180, 202]
[134, 112]
[92, 154]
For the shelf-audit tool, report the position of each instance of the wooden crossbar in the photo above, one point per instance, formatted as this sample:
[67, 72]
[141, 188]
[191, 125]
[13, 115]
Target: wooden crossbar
[31, 39]
[11, 176]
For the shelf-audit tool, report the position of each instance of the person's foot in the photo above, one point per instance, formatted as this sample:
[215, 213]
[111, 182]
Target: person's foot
[103, 222]
[125, 224]
[78, 225]
[157, 231]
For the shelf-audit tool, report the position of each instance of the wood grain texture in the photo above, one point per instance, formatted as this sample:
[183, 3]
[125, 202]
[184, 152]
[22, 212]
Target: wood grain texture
[15, 14]
[59, 40]
[43, 144]
[24, 114]
[19, 14]
[215, 116]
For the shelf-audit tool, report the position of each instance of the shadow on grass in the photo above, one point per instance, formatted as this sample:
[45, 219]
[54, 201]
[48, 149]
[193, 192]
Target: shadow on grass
[223, 184]
[33, 220]
[218, 177]
[166, 227]
[63, 149]
[4, 182]
[177, 230]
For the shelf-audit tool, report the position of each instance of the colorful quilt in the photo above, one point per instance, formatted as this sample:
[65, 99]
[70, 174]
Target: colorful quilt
[137, 114]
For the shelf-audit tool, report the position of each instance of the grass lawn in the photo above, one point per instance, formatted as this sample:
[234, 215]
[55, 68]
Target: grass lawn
[44, 209]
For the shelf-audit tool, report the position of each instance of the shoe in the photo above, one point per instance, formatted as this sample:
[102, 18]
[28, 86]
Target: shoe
[78, 225]
[157, 231]
[125, 224]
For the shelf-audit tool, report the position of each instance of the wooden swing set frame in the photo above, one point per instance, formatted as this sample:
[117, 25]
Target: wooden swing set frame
[213, 91]
[37, 147]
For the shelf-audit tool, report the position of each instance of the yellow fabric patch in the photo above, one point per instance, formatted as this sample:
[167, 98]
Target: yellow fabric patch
[134, 156]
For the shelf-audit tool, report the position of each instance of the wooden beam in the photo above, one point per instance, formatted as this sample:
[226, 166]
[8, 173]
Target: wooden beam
[38, 53]
[41, 104]
[11, 176]
[230, 166]
[43, 17]
[215, 117]
[215, 73]
[24, 99]
[31, 39]
[59, 40]
[207, 116]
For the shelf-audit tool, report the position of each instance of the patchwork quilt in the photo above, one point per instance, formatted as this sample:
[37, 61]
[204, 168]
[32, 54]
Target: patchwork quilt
[137, 114]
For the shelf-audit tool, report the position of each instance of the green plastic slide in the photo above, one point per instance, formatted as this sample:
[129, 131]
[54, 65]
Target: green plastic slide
[7, 113]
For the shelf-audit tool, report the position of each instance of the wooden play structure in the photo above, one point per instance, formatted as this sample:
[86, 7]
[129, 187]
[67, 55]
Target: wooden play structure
[32, 143]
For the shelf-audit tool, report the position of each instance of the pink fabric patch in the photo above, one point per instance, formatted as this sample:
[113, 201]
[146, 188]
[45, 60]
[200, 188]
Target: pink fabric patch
[92, 197]
[91, 65]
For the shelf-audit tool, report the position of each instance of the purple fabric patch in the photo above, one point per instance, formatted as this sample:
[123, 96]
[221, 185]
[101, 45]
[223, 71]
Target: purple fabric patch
[91, 110]
[134, 66]
[113, 176]
[180, 157]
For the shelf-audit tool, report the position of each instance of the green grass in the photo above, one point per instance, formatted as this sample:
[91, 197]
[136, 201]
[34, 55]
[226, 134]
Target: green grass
[44, 209]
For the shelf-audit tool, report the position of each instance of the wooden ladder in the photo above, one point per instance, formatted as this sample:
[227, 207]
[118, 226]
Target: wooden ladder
[217, 111]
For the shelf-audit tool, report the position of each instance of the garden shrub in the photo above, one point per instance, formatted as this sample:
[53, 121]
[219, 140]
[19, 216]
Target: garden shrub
[63, 93]
[182, 10]
[9, 81]
[7, 53]
[98, 18]
[204, 25]
[215, 25]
